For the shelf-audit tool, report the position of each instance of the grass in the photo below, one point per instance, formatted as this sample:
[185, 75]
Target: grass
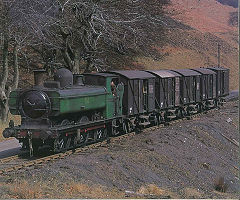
[25, 189]
[79, 190]
[22, 188]
[155, 191]
[15, 118]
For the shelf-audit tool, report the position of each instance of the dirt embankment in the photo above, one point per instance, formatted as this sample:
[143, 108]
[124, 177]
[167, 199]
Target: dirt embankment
[184, 160]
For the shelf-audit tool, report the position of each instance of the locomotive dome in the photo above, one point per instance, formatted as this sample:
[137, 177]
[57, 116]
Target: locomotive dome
[64, 76]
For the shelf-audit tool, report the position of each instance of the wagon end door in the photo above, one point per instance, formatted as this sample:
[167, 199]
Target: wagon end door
[151, 95]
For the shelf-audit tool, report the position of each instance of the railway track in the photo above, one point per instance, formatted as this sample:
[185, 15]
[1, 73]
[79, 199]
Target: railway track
[16, 162]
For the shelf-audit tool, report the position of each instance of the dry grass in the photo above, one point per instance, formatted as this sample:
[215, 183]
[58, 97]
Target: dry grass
[155, 191]
[206, 16]
[32, 189]
[79, 190]
[25, 189]
[17, 121]
[192, 193]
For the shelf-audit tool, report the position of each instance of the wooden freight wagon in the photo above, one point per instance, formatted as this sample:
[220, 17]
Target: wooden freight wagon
[167, 88]
[208, 83]
[189, 86]
[222, 88]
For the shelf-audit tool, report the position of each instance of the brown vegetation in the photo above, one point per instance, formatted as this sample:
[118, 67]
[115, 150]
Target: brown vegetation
[25, 189]
[195, 44]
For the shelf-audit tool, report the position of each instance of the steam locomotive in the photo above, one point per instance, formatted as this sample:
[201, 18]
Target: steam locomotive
[74, 110]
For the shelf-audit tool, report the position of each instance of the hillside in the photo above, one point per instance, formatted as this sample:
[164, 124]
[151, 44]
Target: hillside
[193, 40]
[194, 28]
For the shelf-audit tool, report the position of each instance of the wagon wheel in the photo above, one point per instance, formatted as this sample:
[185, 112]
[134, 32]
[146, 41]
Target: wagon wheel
[180, 114]
[35, 146]
[166, 114]
[160, 118]
[199, 108]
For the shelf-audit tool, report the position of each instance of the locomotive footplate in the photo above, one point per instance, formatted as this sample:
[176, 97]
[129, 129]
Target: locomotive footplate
[53, 132]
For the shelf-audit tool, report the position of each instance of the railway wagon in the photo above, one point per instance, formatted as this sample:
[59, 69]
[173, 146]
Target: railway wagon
[167, 89]
[222, 81]
[189, 86]
[207, 87]
[167, 93]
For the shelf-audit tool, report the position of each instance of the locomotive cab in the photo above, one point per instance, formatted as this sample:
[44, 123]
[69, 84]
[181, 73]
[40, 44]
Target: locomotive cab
[113, 87]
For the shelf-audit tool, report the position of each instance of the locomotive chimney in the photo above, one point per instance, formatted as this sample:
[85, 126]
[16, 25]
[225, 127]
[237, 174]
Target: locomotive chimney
[39, 77]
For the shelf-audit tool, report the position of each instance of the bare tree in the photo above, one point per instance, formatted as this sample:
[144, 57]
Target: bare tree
[89, 28]
[82, 35]
[14, 37]
[7, 41]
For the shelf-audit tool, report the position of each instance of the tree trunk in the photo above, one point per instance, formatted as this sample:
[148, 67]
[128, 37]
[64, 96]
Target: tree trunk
[15, 67]
[5, 63]
[5, 107]
[76, 67]
[3, 92]
[67, 59]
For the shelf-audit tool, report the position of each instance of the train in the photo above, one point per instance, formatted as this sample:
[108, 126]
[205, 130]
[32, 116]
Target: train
[73, 110]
